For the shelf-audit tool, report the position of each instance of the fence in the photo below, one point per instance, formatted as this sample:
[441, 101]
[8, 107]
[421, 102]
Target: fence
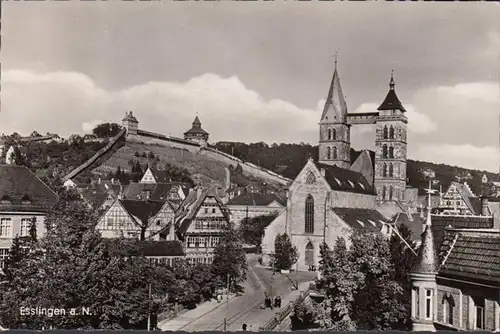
[280, 316]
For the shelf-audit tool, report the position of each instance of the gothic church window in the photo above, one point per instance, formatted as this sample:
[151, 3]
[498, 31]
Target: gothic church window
[310, 179]
[391, 133]
[391, 170]
[334, 134]
[385, 131]
[334, 153]
[391, 190]
[309, 215]
[329, 134]
[384, 151]
[328, 153]
[384, 192]
[391, 152]
[309, 256]
[384, 170]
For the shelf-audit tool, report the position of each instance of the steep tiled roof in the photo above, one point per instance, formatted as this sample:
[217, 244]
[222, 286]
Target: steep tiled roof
[364, 165]
[361, 219]
[335, 105]
[341, 179]
[21, 190]
[189, 208]
[427, 260]
[162, 248]
[471, 254]
[391, 101]
[157, 191]
[255, 199]
[414, 222]
[129, 117]
[196, 128]
[143, 210]
[441, 222]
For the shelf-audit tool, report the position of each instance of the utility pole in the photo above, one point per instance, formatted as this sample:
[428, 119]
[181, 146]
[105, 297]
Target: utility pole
[149, 315]
[227, 303]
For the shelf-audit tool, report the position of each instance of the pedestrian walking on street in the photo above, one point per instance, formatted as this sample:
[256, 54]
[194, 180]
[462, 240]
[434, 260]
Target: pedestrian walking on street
[279, 301]
[244, 327]
[276, 302]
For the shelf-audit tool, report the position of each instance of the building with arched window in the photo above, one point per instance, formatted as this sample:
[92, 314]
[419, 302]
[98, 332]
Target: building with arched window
[325, 202]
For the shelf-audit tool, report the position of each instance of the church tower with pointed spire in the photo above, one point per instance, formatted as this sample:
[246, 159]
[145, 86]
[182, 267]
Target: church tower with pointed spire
[390, 148]
[334, 131]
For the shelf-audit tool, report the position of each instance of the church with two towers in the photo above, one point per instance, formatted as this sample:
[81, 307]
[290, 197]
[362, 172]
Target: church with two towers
[331, 197]
[390, 138]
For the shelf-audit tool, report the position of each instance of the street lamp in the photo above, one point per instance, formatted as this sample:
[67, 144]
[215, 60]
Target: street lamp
[227, 303]
[149, 315]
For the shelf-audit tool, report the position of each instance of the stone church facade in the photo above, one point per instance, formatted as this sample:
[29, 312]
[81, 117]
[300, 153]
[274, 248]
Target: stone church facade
[331, 198]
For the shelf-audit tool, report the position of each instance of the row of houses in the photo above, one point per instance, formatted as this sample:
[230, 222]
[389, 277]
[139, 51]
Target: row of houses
[173, 219]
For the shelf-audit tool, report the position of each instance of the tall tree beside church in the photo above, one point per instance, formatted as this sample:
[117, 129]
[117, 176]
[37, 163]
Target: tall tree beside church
[229, 257]
[378, 298]
[285, 253]
[338, 282]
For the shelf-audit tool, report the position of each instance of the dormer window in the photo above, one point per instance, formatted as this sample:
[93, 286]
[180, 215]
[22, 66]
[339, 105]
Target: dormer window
[6, 199]
[25, 200]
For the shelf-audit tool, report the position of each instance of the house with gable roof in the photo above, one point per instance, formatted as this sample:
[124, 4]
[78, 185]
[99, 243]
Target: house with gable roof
[252, 204]
[456, 276]
[200, 222]
[24, 198]
[459, 200]
[130, 218]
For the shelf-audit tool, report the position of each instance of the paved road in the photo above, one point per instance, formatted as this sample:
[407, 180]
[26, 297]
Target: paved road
[247, 308]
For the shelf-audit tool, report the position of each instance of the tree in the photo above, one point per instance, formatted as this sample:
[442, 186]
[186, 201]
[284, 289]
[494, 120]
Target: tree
[359, 286]
[378, 298]
[73, 267]
[338, 282]
[229, 257]
[285, 254]
[106, 130]
[252, 229]
[151, 155]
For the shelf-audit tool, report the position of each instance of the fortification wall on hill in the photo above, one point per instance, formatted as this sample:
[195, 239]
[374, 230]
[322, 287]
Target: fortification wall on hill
[247, 167]
[101, 156]
[194, 147]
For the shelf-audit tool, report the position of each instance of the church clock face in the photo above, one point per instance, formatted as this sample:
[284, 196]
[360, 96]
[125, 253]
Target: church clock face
[310, 178]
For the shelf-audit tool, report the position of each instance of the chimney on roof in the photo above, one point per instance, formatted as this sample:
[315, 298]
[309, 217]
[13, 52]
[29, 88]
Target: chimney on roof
[99, 180]
[120, 194]
[113, 181]
[485, 211]
[322, 171]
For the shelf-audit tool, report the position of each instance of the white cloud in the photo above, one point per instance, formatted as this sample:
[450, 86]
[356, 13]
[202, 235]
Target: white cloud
[483, 91]
[87, 127]
[467, 156]
[66, 102]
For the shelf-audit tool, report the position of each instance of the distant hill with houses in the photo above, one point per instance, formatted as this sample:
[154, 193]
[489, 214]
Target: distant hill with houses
[54, 157]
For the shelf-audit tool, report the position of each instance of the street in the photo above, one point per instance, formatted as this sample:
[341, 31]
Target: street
[246, 309]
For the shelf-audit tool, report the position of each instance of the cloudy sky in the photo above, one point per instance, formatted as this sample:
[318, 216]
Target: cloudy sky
[256, 71]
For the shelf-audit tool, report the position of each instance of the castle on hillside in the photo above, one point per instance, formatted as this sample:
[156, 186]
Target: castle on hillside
[390, 138]
[196, 135]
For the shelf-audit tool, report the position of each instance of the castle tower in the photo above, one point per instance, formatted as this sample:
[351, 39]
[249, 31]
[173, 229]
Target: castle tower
[423, 279]
[334, 132]
[130, 123]
[196, 133]
[390, 148]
